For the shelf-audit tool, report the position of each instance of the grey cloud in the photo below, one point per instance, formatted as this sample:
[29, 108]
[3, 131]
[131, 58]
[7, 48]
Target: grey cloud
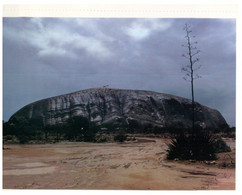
[44, 57]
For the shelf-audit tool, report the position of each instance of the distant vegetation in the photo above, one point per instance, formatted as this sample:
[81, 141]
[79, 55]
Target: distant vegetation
[120, 137]
[78, 128]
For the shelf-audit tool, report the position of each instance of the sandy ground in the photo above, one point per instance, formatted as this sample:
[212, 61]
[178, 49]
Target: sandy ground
[139, 166]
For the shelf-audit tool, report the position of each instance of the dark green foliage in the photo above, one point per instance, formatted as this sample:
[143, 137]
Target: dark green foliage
[90, 132]
[10, 139]
[220, 145]
[120, 137]
[23, 139]
[54, 132]
[8, 129]
[229, 132]
[77, 128]
[24, 129]
[199, 146]
[102, 140]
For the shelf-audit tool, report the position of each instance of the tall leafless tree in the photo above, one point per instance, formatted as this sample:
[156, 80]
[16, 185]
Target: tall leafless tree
[192, 66]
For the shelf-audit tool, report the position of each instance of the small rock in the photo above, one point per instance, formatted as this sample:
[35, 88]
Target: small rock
[213, 162]
[210, 162]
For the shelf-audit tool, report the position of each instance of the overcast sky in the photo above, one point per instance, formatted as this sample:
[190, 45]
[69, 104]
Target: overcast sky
[45, 57]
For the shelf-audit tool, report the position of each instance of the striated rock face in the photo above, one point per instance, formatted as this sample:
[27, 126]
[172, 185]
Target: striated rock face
[123, 107]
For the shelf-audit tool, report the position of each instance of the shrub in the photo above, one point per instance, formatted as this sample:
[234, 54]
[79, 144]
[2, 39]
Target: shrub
[23, 139]
[101, 140]
[89, 137]
[220, 145]
[10, 139]
[7, 138]
[120, 137]
[199, 146]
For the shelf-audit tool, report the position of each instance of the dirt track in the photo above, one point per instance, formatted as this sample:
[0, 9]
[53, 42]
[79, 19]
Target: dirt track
[82, 165]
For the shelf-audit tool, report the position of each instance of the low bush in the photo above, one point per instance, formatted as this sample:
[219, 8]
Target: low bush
[102, 140]
[10, 139]
[220, 145]
[23, 139]
[200, 146]
[120, 137]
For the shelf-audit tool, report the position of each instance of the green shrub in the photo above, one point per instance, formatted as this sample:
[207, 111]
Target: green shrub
[199, 146]
[120, 137]
[7, 138]
[23, 139]
[220, 145]
[10, 139]
[102, 140]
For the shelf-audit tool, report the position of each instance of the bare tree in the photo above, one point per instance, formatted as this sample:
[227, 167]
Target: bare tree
[192, 66]
[197, 145]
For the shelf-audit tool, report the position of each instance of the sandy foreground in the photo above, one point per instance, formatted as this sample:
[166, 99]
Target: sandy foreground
[140, 165]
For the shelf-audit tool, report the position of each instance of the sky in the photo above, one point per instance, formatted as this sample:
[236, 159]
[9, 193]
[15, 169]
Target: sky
[45, 57]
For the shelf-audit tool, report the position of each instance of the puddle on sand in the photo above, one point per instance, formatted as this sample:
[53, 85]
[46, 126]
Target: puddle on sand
[33, 171]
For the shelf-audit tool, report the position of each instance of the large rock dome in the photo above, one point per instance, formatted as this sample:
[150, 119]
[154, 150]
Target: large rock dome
[123, 107]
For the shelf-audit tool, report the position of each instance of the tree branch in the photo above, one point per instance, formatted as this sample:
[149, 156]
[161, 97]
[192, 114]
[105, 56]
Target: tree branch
[198, 51]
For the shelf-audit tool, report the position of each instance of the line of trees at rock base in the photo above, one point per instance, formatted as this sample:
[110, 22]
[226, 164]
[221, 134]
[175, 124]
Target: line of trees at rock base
[184, 146]
[79, 128]
[75, 129]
